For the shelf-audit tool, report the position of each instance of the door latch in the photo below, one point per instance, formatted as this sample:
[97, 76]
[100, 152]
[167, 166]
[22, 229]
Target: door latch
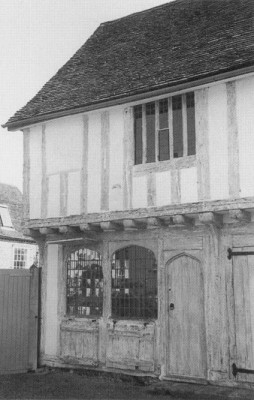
[171, 306]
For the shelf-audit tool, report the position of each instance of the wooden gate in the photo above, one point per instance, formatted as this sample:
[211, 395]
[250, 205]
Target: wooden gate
[19, 296]
[186, 341]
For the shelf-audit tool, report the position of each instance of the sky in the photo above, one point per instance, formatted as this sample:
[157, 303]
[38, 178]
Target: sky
[36, 38]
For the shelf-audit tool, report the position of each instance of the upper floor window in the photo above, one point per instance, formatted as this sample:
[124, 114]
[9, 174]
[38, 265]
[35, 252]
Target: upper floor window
[165, 129]
[134, 283]
[84, 283]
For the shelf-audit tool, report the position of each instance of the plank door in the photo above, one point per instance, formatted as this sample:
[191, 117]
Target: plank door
[18, 320]
[186, 341]
[243, 287]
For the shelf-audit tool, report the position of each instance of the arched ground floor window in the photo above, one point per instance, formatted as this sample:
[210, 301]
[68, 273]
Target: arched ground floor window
[84, 283]
[134, 283]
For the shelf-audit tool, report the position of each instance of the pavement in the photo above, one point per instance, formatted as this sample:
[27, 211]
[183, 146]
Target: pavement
[86, 384]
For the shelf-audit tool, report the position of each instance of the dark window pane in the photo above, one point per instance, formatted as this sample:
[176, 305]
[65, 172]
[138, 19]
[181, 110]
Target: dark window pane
[138, 134]
[191, 123]
[84, 283]
[134, 283]
[164, 145]
[150, 132]
[177, 126]
[163, 114]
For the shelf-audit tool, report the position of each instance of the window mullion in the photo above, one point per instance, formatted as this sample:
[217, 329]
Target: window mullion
[184, 118]
[144, 134]
[157, 131]
[170, 129]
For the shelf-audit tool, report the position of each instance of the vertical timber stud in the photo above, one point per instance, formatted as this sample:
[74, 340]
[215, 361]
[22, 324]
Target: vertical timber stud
[26, 173]
[105, 161]
[44, 270]
[184, 119]
[160, 349]
[151, 190]
[44, 184]
[128, 155]
[175, 186]
[233, 146]
[157, 126]
[106, 269]
[170, 128]
[83, 175]
[202, 144]
[33, 318]
[144, 146]
[61, 290]
[63, 193]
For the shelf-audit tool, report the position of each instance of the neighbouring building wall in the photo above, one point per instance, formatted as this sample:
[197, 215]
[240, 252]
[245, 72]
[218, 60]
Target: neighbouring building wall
[85, 163]
[7, 252]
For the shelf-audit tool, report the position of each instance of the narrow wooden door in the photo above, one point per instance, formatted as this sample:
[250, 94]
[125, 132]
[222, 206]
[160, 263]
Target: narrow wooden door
[243, 288]
[186, 341]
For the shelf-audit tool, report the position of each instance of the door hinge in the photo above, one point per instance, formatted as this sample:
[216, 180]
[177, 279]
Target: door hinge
[236, 370]
[232, 253]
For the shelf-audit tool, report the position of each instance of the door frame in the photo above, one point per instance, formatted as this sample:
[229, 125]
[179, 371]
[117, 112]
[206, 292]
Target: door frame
[170, 376]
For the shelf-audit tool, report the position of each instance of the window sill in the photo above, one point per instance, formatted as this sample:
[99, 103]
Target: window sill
[176, 163]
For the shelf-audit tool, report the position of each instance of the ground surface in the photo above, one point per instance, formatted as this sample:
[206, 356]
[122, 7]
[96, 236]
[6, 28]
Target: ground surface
[59, 384]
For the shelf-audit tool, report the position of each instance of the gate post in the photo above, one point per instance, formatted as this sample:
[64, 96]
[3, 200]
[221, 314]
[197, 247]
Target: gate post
[33, 318]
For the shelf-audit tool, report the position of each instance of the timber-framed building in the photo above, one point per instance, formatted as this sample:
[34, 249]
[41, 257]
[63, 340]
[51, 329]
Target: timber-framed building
[139, 190]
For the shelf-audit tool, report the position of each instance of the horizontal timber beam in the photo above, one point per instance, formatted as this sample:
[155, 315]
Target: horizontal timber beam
[163, 213]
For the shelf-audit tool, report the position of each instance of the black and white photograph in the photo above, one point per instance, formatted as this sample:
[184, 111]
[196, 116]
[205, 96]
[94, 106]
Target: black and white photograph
[127, 199]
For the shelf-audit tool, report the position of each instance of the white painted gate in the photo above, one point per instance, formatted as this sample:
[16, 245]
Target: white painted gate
[186, 341]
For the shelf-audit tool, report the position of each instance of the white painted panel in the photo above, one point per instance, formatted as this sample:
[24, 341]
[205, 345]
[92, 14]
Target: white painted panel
[116, 159]
[73, 198]
[163, 188]
[53, 196]
[35, 172]
[94, 164]
[189, 187]
[245, 121]
[218, 142]
[64, 144]
[139, 199]
[51, 331]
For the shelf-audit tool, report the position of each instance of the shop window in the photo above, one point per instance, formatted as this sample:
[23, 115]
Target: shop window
[84, 283]
[134, 283]
[19, 258]
[165, 129]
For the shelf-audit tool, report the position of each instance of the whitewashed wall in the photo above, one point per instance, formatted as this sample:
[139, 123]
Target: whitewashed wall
[7, 253]
[83, 165]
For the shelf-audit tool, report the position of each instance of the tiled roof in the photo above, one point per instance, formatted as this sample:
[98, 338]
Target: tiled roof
[12, 197]
[177, 42]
